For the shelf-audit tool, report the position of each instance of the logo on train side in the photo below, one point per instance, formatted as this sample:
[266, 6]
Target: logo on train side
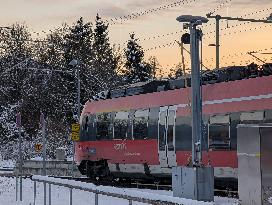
[120, 146]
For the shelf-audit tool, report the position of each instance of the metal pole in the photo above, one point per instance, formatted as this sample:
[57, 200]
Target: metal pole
[217, 44]
[21, 188]
[78, 93]
[49, 190]
[44, 193]
[130, 202]
[183, 62]
[44, 143]
[21, 163]
[71, 196]
[42, 121]
[200, 101]
[16, 187]
[78, 113]
[96, 199]
[196, 104]
[35, 192]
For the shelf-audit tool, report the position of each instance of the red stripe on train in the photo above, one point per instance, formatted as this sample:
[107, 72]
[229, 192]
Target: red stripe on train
[213, 158]
[119, 151]
[145, 151]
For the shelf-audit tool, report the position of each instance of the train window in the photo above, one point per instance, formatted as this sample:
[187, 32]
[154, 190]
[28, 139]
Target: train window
[121, 125]
[183, 134]
[268, 115]
[252, 116]
[103, 126]
[153, 123]
[86, 123]
[162, 128]
[84, 128]
[219, 133]
[170, 130]
[140, 124]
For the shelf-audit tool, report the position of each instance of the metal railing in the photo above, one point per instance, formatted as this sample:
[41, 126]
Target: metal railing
[113, 192]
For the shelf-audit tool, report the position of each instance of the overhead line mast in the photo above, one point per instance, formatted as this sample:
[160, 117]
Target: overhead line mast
[218, 18]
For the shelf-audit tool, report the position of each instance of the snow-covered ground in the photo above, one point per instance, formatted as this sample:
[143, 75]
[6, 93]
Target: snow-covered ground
[60, 195]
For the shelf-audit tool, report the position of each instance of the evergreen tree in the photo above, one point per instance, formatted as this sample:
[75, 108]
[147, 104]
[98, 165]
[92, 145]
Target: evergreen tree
[176, 72]
[78, 42]
[156, 69]
[52, 92]
[106, 61]
[137, 69]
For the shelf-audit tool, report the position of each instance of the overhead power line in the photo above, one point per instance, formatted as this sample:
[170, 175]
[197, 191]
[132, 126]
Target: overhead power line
[135, 15]
[208, 37]
[220, 6]
[205, 26]
[244, 53]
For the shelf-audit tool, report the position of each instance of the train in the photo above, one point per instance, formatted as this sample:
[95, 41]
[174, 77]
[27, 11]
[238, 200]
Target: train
[142, 130]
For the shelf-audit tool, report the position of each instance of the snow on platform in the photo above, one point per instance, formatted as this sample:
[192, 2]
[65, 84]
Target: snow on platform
[60, 195]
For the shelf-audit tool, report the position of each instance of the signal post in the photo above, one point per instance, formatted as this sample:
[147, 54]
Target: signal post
[194, 181]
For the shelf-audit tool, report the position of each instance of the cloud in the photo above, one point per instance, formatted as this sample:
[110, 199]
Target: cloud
[119, 8]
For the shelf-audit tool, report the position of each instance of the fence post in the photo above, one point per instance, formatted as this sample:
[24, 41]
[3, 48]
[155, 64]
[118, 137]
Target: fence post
[16, 187]
[35, 192]
[44, 193]
[21, 188]
[96, 199]
[71, 196]
[49, 190]
[130, 202]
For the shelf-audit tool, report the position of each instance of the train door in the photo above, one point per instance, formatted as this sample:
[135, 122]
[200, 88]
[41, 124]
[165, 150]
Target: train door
[166, 136]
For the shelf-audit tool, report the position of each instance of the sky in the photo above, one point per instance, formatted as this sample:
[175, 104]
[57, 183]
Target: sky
[158, 30]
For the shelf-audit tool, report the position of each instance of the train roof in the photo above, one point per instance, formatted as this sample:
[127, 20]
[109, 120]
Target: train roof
[226, 74]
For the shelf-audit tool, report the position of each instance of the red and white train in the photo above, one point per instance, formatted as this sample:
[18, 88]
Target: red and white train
[143, 135]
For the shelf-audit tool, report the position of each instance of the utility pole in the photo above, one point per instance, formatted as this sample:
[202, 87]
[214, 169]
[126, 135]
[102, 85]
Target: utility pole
[75, 64]
[78, 94]
[181, 45]
[217, 30]
[217, 43]
[42, 122]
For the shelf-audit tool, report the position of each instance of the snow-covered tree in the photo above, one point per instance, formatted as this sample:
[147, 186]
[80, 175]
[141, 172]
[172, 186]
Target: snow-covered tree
[106, 60]
[137, 69]
[53, 92]
[7, 123]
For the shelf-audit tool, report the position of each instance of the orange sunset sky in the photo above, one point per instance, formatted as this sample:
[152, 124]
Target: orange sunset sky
[153, 27]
